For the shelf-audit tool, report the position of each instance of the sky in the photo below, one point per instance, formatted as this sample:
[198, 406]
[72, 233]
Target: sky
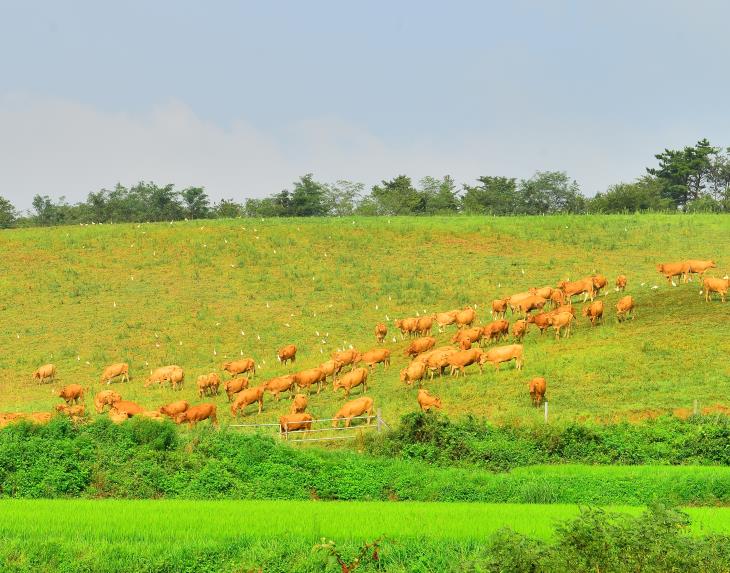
[244, 97]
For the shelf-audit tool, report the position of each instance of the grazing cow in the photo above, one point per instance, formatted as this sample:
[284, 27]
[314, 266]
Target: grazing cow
[515, 299]
[407, 326]
[72, 393]
[537, 387]
[527, 305]
[159, 375]
[465, 317]
[496, 356]
[699, 267]
[621, 283]
[280, 384]
[427, 401]
[346, 357]
[594, 311]
[671, 270]
[424, 325]
[331, 368]
[208, 384]
[420, 345]
[560, 320]
[47, 371]
[439, 360]
[413, 372]
[465, 345]
[565, 308]
[353, 408]
[121, 369]
[105, 398]
[599, 283]
[381, 331]
[236, 367]
[583, 286]
[463, 358]
[625, 307]
[234, 386]
[496, 330]
[499, 308]
[444, 319]
[71, 411]
[172, 374]
[352, 379]
[299, 404]
[376, 356]
[126, 407]
[473, 335]
[545, 292]
[248, 397]
[557, 298]
[172, 409]
[287, 354]
[295, 423]
[198, 413]
[711, 284]
[306, 378]
[519, 329]
[541, 320]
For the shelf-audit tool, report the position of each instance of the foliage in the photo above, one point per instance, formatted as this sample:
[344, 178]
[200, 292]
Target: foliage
[8, 214]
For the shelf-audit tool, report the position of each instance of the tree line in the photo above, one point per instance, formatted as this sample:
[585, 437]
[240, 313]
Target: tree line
[693, 179]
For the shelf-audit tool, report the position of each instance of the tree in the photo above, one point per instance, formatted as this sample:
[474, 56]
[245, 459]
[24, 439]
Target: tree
[342, 198]
[397, 197]
[642, 195]
[440, 195]
[46, 212]
[8, 214]
[550, 192]
[228, 209]
[307, 199]
[196, 202]
[493, 196]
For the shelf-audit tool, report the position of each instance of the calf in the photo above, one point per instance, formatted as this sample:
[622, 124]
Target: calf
[560, 320]
[468, 334]
[463, 358]
[671, 270]
[236, 367]
[407, 326]
[299, 404]
[583, 286]
[519, 329]
[499, 308]
[105, 398]
[234, 386]
[381, 331]
[420, 345]
[624, 308]
[280, 384]
[496, 330]
[346, 357]
[287, 354]
[465, 317]
[126, 407]
[537, 390]
[47, 371]
[621, 283]
[378, 356]
[413, 372]
[444, 319]
[173, 409]
[120, 369]
[331, 368]
[306, 378]
[594, 311]
[541, 320]
[427, 401]
[424, 325]
[72, 394]
[699, 267]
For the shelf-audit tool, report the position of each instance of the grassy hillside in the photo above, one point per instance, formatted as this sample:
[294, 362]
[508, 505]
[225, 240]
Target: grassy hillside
[197, 293]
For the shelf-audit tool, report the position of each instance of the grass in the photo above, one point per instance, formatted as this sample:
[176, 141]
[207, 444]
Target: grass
[198, 293]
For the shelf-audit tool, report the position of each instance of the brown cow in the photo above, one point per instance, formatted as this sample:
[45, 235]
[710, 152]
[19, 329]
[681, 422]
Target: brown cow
[299, 404]
[114, 371]
[594, 311]
[295, 423]
[331, 368]
[248, 397]
[444, 319]
[537, 387]
[280, 384]
[45, 371]
[407, 326]
[473, 334]
[624, 308]
[439, 360]
[346, 357]
[599, 283]
[711, 284]
[699, 267]
[71, 411]
[583, 286]
[352, 379]
[175, 376]
[234, 386]
[671, 270]
[463, 358]
[287, 354]
[545, 292]
[72, 394]
[105, 398]
[424, 325]
[515, 299]
[377, 356]
[527, 305]
[236, 367]
[306, 378]
[126, 407]
[381, 331]
[353, 408]
[172, 409]
[621, 283]
[427, 401]
[208, 384]
[499, 308]
[557, 298]
[420, 345]
[465, 345]
[465, 317]
[560, 320]
[496, 356]
[541, 320]
[152, 415]
[172, 374]
[413, 372]
[496, 330]
[565, 308]
[198, 413]
[519, 329]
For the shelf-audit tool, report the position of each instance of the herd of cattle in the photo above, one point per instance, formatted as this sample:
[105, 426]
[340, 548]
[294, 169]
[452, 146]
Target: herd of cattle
[467, 349]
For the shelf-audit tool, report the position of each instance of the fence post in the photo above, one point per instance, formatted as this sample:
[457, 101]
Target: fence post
[695, 410]
[546, 411]
[379, 421]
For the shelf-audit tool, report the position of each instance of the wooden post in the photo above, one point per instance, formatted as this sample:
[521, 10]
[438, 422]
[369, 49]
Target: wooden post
[695, 410]
[546, 411]
[379, 420]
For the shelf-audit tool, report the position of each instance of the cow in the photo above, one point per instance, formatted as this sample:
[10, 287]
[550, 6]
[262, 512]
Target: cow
[198, 413]
[175, 376]
[594, 311]
[557, 298]
[346, 357]
[120, 369]
[496, 330]
[152, 415]
[465, 344]
[496, 356]
[711, 284]
[599, 283]
[407, 326]
[299, 404]
[473, 334]
[671, 270]
[295, 422]
[126, 407]
[377, 356]
[357, 377]
[420, 345]
[306, 378]
[465, 317]
[545, 292]
[47, 371]
[71, 411]
[621, 283]
[444, 319]
[499, 308]
[248, 397]
[699, 267]
[236, 367]
[527, 305]
[172, 409]
[234, 386]
[353, 408]
[584, 286]
[515, 299]
[463, 358]
[331, 368]
[519, 329]
[624, 308]
[427, 401]
[381, 331]
[287, 353]
[537, 388]
[280, 384]
[439, 360]
[560, 320]
[105, 398]
[413, 372]
[541, 320]
[564, 308]
[118, 417]
[160, 375]
[208, 384]
[424, 325]
[72, 394]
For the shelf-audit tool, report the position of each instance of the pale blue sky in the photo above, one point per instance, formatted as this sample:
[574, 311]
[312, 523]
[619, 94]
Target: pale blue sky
[242, 97]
